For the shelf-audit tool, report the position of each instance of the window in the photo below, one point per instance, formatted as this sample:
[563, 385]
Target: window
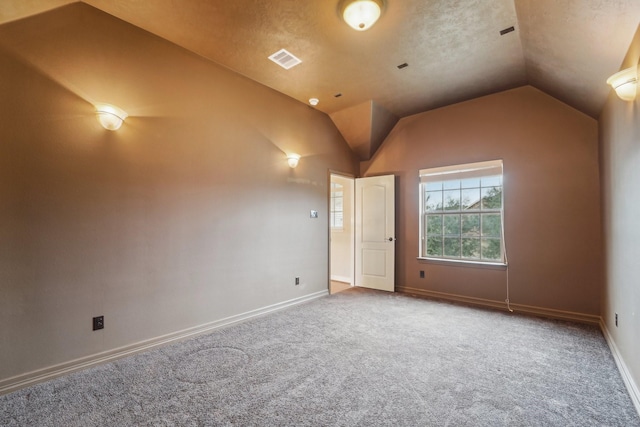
[461, 212]
[336, 209]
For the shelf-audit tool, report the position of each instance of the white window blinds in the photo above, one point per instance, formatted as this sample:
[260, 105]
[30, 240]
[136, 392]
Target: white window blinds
[469, 170]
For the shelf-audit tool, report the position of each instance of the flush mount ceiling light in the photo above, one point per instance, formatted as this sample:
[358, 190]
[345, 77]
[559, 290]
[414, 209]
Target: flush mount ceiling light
[362, 14]
[110, 116]
[625, 83]
[293, 159]
[314, 101]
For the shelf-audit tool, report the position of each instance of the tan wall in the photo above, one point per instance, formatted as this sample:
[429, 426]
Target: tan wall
[620, 163]
[186, 215]
[551, 193]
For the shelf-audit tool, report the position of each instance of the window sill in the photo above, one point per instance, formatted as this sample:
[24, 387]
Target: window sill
[464, 263]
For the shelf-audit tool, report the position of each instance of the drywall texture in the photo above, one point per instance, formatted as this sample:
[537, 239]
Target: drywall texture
[186, 215]
[620, 165]
[551, 194]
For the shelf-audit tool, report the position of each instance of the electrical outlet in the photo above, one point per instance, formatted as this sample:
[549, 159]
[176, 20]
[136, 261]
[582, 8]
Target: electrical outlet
[297, 281]
[422, 274]
[98, 323]
[616, 320]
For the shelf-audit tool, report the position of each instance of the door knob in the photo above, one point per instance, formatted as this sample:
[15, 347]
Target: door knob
[391, 239]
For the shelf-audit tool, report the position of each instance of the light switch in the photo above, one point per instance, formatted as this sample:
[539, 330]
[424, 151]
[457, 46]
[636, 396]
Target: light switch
[314, 214]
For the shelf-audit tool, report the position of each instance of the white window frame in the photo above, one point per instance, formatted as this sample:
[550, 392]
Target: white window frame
[453, 173]
[334, 209]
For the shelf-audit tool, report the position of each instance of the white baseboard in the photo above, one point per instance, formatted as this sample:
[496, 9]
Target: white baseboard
[528, 309]
[30, 378]
[632, 387]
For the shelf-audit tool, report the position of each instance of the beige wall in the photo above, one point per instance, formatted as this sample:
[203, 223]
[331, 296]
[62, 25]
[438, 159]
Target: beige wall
[551, 193]
[620, 163]
[186, 215]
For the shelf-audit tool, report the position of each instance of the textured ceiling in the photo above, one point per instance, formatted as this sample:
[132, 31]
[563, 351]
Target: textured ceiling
[566, 48]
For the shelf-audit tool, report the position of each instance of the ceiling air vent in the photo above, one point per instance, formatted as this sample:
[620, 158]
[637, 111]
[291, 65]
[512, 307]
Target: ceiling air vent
[285, 59]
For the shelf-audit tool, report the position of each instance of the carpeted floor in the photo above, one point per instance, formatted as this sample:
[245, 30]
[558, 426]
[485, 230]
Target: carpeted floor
[356, 358]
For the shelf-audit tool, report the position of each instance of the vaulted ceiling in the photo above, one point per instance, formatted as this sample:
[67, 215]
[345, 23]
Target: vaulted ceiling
[453, 48]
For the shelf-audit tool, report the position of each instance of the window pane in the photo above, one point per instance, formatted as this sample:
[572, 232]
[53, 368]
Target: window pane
[434, 186]
[462, 218]
[492, 198]
[491, 226]
[434, 246]
[471, 248]
[452, 225]
[471, 183]
[452, 185]
[338, 220]
[471, 199]
[491, 249]
[471, 225]
[434, 224]
[338, 204]
[452, 247]
[452, 200]
[433, 201]
[491, 181]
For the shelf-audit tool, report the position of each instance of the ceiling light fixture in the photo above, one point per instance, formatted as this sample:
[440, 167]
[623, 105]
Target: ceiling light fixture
[625, 83]
[314, 101]
[293, 159]
[110, 116]
[362, 14]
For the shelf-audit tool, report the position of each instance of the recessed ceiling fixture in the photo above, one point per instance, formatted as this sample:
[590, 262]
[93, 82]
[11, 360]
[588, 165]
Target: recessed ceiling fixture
[507, 31]
[362, 14]
[401, 66]
[625, 83]
[314, 101]
[285, 59]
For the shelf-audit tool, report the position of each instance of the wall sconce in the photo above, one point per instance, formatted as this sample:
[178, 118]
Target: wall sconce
[362, 14]
[110, 116]
[293, 159]
[625, 83]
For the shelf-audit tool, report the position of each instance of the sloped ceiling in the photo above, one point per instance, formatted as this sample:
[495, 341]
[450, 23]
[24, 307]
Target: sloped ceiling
[453, 48]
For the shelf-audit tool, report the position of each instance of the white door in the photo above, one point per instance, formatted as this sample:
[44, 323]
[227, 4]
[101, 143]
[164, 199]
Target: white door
[375, 232]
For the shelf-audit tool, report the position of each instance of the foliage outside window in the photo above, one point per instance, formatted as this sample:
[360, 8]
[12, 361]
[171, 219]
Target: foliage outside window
[462, 212]
[336, 213]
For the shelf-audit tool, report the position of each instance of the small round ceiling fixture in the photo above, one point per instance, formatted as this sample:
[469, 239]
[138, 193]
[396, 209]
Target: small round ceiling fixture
[314, 101]
[362, 14]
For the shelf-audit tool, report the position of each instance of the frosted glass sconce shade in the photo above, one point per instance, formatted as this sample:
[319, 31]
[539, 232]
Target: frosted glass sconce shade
[625, 83]
[293, 159]
[110, 116]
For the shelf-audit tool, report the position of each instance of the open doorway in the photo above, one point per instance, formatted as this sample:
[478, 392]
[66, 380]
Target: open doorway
[341, 232]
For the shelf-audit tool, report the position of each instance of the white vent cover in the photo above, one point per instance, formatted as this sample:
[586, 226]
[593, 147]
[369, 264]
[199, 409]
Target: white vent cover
[285, 59]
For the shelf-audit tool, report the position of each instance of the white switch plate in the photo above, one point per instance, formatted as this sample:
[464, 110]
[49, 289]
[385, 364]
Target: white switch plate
[314, 214]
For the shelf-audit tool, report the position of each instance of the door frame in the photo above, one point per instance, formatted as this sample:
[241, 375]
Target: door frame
[351, 219]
